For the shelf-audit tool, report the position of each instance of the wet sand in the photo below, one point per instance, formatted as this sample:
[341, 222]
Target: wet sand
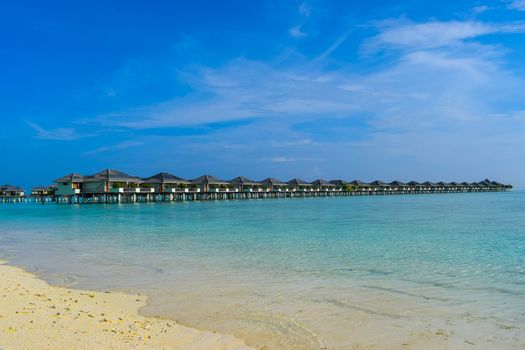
[35, 315]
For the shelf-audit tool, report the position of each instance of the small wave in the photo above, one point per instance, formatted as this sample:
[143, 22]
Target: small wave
[362, 309]
[397, 291]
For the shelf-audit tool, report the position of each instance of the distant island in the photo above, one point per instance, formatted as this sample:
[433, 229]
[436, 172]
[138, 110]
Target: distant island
[113, 186]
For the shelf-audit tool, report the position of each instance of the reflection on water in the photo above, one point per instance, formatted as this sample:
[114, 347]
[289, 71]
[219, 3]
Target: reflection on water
[432, 271]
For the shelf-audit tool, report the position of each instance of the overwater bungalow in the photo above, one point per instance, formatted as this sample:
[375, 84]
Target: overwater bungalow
[323, 185]
[111, 181]
[209, 183]
[244, 184]
[399, 186]
[69, 185]
[274, 185]
[441, 186]
[43, 191]
[429, 186]
[340, 184]
[379, 185]
[113, 186]
[166, 183]
[360, 185]
[454, 186]
[11, 191]
[416, 187]
[299, 185]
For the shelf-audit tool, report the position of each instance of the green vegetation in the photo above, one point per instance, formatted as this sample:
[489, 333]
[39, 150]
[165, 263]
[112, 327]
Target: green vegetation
[118, 185]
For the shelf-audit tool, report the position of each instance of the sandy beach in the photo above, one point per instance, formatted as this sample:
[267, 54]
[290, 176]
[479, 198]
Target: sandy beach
[35, 315]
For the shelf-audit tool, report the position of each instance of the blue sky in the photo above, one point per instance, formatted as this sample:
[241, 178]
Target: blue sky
[314, 89]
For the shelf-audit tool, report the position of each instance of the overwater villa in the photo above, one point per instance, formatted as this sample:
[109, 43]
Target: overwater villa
[323, 185]
[166, 183]
[110, 181]
[299, 185]
[114, 186]
[43, 191]
[244, 184]
[11, 191]
[274, 185]
[209, 183]
[68, 185]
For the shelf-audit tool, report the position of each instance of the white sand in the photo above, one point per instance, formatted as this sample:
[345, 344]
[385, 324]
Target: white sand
[35, 315]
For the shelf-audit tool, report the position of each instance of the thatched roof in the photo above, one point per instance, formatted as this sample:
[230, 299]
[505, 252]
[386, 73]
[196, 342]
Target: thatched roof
[298, 182]
[244, 181]
[164, 178]
[110, 175]
[271, 181]
[208, 180]
[415, 184]
[379, 183]
[70, 178]
[322, 183]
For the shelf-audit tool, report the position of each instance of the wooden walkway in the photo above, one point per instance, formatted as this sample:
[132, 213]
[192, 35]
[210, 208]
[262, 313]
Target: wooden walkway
[146, 197]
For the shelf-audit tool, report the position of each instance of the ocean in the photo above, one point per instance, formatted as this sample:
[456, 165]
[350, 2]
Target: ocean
[440, 271]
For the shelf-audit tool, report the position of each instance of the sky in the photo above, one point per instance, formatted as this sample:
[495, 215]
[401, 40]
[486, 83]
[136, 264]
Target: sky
[391, 90]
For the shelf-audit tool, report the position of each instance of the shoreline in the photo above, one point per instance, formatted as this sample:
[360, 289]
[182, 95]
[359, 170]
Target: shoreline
[34, 314]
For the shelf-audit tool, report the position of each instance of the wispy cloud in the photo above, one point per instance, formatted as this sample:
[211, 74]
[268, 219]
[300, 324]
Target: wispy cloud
[59, 134]
[300, 142]
[115, 147]
[442, 84]
[428, 35]
[517, 5]
[296, 32]
[480, 9]
[305, 10]
[282, 160]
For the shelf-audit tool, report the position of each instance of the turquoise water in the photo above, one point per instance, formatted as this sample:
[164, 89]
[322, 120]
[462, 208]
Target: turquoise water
[423, 271]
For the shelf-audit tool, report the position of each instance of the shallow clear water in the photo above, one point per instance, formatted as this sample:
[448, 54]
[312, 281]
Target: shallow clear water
[423, 271]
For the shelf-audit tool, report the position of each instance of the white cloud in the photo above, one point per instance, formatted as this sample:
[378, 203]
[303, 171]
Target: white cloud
[59, 134]
[119, 146]
[281, 160]
[517, 5]
[428, 35]
[305, 9]
[440, 93]
[480, 9]
[292, 143]
[296, 32]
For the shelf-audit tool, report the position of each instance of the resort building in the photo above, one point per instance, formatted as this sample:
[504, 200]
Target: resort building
[359, 186]
[399, 186]
[113, 186]
[69, 185]
[244, 184]
[274, 185]
[379, 186]
[43, 191]
[11, 191]
[299, 185]
[342, 184]
[208, 183]
[166, 183]
[323, 185]
[110, 181]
